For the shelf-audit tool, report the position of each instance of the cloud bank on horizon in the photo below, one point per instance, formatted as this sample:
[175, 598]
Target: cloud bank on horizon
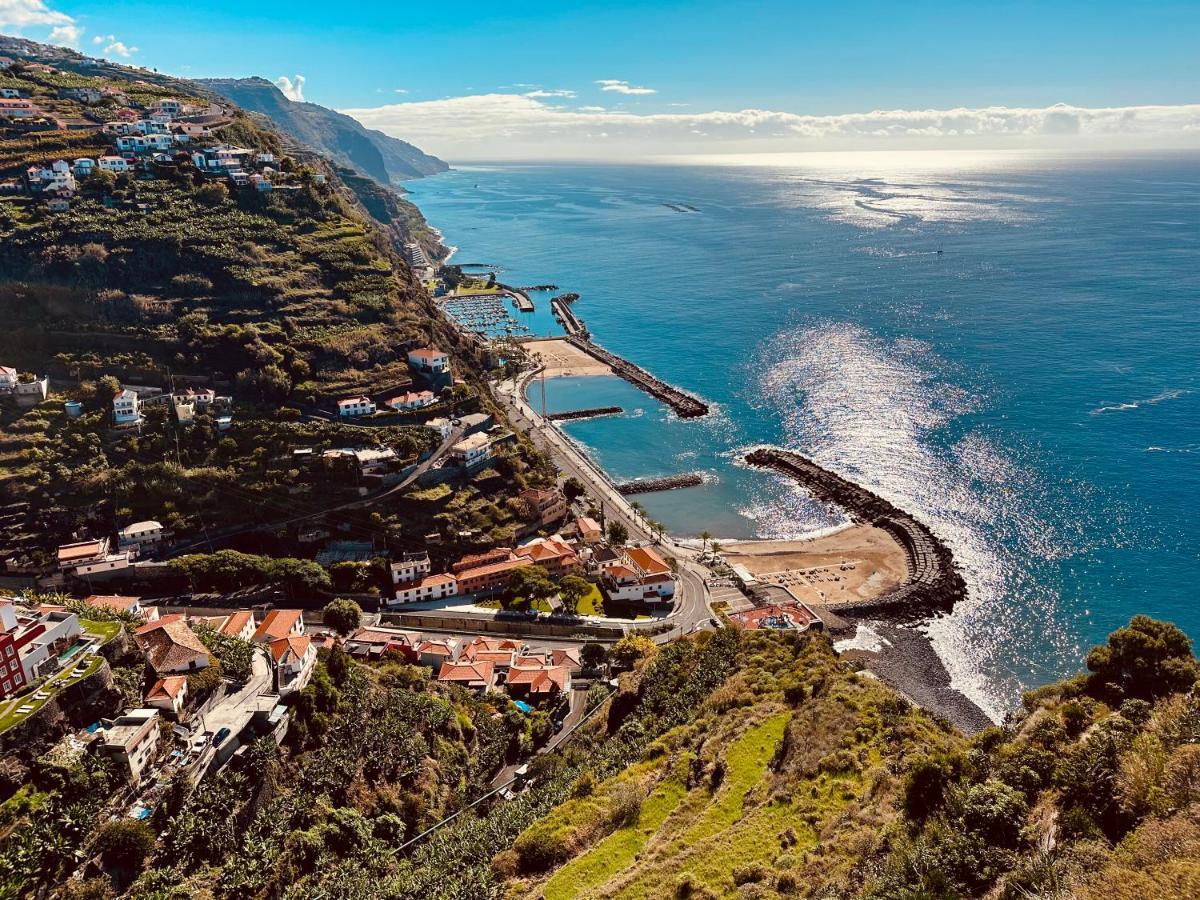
[499, 126]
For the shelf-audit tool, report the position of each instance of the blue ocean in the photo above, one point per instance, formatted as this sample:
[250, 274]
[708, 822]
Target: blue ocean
[1005, 345]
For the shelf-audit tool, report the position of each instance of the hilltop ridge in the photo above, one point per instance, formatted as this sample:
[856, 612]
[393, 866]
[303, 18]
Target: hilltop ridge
[387, 159]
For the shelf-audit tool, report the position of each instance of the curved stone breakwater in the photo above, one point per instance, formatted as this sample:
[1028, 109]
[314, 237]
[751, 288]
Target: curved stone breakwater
[934, 584]
[685, 405]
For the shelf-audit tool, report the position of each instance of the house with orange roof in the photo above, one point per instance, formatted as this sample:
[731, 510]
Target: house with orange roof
[429, 360]
[292, 659]
[475, 676]
[435, 654]
[589, 530]
[641, 576]
[553, 554]
[121, 604]
[279, 623]
[538, 682]
[542, 507]
[239, 624]
[490, 577]
[168, 695]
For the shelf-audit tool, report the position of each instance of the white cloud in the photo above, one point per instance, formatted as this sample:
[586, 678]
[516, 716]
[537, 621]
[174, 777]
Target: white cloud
[401, 90]
[623, 87]
[519, 126]
[20, 13]
[293, 88]
[104, 38]
[117, 48]
[544, 93]
[66, 35]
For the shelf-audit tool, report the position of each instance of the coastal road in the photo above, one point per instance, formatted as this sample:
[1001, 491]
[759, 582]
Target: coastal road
[691, 609]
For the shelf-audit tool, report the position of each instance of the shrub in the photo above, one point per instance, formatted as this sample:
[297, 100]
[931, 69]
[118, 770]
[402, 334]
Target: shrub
[342, 615]
[1146, 659]
[996, 812]
[125, 842]
[926, 783]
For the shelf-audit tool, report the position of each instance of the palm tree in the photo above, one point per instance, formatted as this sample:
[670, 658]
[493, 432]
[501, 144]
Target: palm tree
[705, 537]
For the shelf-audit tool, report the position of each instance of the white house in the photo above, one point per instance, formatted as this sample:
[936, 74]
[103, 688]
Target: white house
[132, 738]
[429, 359]
[293, 659]
[8, 377]
[412, 400]
[84, 167]
[356, 406]
[442, 426]
[10, 93]
[472, 452]
[280, 623]
[641, 576]
[114, 163]
[431, 587]
[127, 408]
[168, 695]
[411, 567]
[143, 535]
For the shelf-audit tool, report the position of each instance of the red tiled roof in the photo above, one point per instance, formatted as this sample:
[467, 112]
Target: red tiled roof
[234, 624]
[647, 560]
[115, 602]
[277, 623]
[167, 687]
[295, 644]
[481, 673]
[542, 679]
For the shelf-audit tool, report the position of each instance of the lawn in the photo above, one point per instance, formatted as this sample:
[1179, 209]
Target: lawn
[106, 631]
[617, 851]
[55, 683]
[592, 604]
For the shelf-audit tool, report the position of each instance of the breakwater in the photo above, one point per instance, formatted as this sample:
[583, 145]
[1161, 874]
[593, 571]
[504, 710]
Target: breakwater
[571, 323]
[652, 485]
[685, 405]
[933, 585]
[592, 413]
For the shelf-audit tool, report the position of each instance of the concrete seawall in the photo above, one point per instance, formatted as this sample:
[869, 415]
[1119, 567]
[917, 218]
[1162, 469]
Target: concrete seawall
[685, 405]
[934, 584]
[592, 413]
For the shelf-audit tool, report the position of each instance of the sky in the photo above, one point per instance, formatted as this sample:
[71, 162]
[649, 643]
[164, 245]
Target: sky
[529, 80]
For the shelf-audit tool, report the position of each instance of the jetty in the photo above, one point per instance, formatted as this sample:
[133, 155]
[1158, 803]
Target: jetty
[653, 485]
[685, 405]
[594, 412]
[519, 296]
[571, 323]
[934, 584]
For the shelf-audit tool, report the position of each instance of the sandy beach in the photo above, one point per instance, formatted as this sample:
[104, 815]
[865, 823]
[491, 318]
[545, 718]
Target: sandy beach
[561, 358]
[857, 563]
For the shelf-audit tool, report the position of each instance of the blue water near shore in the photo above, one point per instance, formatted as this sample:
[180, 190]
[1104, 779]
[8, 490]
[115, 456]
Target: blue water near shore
[1031, 392]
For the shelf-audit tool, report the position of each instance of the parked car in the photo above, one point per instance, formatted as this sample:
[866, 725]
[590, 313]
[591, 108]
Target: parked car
[220, 736]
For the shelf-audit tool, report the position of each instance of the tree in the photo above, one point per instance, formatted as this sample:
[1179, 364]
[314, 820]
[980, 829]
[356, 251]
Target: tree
[212, 193]
[593, 655]
[631, 648]
[705, 537]
[343, 615]
[573, 488]
[572, 589]
[125, 842]
[1146, 659]
[532, 583]
[618, 534]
